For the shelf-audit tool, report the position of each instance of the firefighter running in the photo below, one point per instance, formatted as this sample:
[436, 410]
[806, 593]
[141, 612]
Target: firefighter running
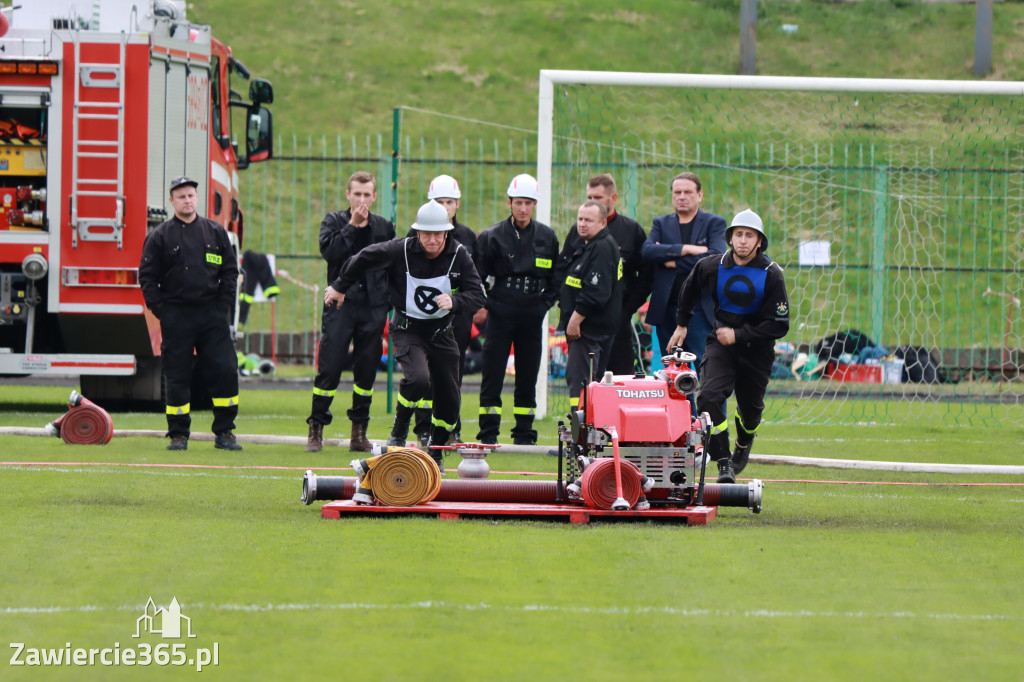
[431, 280]
[360, 322]
[751, 312]
[445, 190]
[515, 259]
[188, 275]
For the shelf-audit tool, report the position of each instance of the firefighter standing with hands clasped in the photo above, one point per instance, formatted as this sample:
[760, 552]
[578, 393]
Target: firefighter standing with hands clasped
[189, 276]
[361, 322]
[431, 280]
[751, 312]
[515, 259]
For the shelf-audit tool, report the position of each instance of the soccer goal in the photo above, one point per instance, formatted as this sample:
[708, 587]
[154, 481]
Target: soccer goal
[896, 208]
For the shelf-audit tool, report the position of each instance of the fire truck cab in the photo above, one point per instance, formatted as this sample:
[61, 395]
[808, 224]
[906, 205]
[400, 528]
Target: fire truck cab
[101, 104]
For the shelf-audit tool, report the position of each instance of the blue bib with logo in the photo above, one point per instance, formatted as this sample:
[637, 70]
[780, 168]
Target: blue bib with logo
[741, 289]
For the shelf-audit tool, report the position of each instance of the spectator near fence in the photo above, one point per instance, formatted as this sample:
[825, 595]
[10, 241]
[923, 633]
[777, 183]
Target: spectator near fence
[591, 298]
[515, 259]
[637, 275]
[359, 322]
[676, 242]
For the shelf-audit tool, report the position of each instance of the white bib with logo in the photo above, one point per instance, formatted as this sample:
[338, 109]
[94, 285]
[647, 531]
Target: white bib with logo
[421, 294]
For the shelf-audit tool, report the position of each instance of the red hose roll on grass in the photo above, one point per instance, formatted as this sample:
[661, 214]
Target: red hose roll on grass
[85, 422]
[598, 483]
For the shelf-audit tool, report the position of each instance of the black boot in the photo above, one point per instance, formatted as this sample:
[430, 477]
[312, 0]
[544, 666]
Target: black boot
[400, 430]
[725, 472]
[744, 441]
[741, 454]
[438, 436]
[718, 446]
[438, 458]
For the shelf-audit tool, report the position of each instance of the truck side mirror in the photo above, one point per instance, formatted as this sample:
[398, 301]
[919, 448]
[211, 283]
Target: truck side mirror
[259, 134]
[261, 91]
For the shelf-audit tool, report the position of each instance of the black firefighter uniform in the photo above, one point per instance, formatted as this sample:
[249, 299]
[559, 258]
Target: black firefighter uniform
[189, 275]
[422, 332]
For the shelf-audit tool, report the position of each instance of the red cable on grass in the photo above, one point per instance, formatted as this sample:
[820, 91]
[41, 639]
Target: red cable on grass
[85, 422]
[598, 483]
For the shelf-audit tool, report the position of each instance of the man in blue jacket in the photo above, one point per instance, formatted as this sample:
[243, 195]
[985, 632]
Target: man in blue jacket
[676, 242]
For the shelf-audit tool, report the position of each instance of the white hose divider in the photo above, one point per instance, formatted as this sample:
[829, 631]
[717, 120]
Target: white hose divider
[820, 462]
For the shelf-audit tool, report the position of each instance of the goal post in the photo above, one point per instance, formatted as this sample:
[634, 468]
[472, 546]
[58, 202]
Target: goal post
[895, 206]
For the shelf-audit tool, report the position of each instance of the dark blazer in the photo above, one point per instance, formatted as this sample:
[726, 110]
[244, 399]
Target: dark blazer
[663, 245]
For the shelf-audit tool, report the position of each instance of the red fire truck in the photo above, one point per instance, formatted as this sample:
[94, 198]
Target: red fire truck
[101, 104]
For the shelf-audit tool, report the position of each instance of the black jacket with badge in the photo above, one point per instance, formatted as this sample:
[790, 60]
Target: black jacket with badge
[339, 241]
[593, 285]
[516, 265]
[190, 264]
[637, 274]
[389, 259]
[770, 320]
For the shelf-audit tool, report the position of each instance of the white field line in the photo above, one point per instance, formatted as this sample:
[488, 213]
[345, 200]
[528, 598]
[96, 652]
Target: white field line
[887, 441]
[524, 608]
[269, 477]
[145, 472]
[881, 496]
[797, 493]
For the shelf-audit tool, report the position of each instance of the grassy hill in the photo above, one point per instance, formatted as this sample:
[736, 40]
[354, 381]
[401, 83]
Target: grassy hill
[340, 67]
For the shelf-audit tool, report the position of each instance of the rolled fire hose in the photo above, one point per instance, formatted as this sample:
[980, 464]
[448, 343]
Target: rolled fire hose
[401, 477]
[598, 483]
[85, 423]
[329, 488]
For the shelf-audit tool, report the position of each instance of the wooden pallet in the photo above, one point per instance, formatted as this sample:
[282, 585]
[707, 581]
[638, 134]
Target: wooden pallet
[694, 516]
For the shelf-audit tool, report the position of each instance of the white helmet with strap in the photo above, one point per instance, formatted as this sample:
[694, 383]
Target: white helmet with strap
[432, 217]
[524, 186]
[444, 187]
[749, 219]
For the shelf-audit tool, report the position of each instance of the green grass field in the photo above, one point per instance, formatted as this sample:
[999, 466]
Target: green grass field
[907, 576]
[845, 575]
[341, 67]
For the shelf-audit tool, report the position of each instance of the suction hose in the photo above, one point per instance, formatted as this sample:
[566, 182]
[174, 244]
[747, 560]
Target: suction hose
[329, 488]
[734, 495]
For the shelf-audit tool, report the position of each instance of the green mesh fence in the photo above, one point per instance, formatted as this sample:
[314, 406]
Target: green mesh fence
[918, 199]
[286, 198]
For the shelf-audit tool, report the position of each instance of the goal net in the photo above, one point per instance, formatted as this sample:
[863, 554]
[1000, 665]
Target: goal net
[894, 206]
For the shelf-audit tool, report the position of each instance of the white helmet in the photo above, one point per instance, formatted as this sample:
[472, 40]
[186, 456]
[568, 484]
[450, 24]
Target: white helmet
[524, 186]
[749, 219]
[444, 187]
[432, 217]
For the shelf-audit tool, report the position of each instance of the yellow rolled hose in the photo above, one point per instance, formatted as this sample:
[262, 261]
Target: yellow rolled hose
[402, 477]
